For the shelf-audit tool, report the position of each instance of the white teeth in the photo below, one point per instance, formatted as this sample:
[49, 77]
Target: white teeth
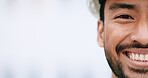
[130, 56]
[138, 57]
[146, 57]
[133, 57]
[141, 57]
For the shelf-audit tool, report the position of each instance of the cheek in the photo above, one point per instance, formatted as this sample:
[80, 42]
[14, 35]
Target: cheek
[114, 35]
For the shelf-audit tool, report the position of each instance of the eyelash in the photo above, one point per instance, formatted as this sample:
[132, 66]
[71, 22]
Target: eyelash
[124, 17]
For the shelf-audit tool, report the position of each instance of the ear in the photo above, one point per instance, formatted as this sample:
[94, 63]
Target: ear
[100, 32]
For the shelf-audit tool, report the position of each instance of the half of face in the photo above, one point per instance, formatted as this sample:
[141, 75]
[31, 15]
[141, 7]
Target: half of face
[124, 36]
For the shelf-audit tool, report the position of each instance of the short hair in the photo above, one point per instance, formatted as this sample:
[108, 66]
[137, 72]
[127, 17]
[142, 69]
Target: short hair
[102, 6]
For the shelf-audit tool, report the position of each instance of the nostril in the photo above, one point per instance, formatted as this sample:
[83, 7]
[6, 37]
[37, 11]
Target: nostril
[134, 41]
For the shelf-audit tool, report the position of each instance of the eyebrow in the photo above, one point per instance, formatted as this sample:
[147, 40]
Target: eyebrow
[121, 5]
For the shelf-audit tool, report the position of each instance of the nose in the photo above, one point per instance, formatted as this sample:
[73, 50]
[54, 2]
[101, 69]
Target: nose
[140, 34]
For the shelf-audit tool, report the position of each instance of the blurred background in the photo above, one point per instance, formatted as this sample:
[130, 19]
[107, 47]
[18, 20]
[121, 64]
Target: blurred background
[49, 39]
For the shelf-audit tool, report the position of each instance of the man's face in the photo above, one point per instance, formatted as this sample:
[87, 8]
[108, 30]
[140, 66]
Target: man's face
[125, 37]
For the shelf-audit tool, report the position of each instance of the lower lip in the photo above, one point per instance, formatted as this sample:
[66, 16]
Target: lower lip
[134, 63]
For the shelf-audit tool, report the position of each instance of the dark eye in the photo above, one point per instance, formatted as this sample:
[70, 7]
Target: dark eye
[124, 17]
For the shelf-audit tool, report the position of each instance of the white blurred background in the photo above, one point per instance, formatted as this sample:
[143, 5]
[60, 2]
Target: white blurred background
[49, 39]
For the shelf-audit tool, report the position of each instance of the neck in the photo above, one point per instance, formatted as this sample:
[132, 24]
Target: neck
[113, 75]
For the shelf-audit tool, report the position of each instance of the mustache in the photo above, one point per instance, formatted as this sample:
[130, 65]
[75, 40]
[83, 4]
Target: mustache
[121, 47]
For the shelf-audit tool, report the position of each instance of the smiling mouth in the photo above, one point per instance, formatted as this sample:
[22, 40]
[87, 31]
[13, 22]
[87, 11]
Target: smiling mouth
[139, 57]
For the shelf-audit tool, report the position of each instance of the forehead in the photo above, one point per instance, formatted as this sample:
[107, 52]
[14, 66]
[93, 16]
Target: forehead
[134, 4]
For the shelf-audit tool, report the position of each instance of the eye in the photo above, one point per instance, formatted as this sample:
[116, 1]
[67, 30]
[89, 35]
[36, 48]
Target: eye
[124, 17]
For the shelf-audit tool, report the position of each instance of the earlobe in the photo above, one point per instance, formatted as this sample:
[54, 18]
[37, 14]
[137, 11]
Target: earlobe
[100, 32]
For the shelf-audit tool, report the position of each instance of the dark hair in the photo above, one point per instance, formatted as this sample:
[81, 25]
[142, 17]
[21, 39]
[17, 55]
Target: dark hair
[102, 6]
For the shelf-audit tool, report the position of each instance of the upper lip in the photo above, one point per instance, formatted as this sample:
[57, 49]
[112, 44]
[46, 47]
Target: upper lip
[137, 50]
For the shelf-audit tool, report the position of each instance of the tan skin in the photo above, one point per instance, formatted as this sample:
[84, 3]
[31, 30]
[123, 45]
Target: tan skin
[124, 25]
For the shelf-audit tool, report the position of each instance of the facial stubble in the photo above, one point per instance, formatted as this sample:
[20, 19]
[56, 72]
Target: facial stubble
[117, 65]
